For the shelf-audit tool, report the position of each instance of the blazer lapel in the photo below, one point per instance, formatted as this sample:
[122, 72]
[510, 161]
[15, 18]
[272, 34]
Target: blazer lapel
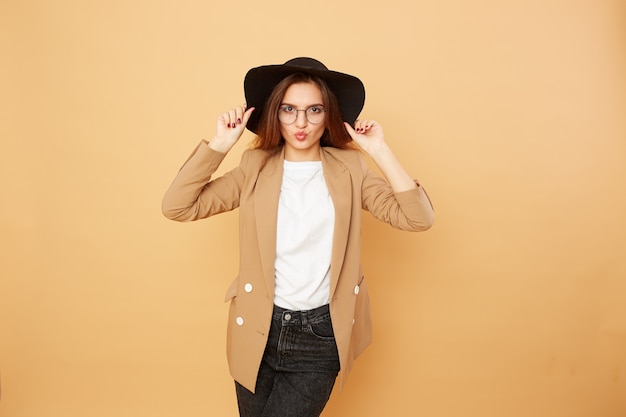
[339, 186]
[266, 195]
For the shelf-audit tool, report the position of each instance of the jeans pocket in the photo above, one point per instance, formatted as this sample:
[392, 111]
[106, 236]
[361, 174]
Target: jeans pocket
[322, 329]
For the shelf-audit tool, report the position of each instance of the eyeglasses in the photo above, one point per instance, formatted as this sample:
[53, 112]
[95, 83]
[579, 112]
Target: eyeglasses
[288, 114]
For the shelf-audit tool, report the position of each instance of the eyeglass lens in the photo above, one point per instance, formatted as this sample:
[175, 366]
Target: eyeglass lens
[289, 114]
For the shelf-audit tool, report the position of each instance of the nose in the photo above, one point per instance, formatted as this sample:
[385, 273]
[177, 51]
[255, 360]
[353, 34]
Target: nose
[301, 120]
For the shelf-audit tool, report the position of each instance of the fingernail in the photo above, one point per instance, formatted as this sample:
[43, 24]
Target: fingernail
[233, 125]
[238, 121]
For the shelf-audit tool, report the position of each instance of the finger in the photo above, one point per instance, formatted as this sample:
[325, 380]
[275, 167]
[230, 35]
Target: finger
[371, 124]
[365, 125]
[232, 113]
[247, 114]
[362, 125]
[224, 120]
[239, 114]
[350, 130]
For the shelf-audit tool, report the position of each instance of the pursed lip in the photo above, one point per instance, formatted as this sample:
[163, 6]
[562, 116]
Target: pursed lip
[300, 135]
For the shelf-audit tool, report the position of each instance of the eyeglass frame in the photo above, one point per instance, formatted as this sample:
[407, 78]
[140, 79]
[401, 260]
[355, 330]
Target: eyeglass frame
[306, 115]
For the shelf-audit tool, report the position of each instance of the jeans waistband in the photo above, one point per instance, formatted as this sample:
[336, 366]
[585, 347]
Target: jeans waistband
[302, 316]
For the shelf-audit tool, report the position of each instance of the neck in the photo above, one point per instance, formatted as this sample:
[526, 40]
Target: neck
[294, 155]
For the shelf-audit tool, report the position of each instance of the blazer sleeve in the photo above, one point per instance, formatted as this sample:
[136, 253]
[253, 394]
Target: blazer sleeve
[408, 210]
[194, 195]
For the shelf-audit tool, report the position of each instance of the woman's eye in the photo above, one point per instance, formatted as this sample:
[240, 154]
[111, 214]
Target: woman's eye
[315, 109]
[287, 109]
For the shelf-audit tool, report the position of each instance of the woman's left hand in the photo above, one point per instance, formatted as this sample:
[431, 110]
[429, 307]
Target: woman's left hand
[368, 134]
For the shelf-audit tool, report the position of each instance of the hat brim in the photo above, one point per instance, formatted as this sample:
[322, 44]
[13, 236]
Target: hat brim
[261, 81]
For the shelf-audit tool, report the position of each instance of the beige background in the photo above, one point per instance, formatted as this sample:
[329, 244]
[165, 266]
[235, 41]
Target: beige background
[510, 112]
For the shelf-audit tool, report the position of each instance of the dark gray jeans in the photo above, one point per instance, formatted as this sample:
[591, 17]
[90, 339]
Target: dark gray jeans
[299, 367]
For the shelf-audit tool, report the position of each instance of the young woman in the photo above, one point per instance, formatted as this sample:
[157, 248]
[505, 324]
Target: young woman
[299, 308]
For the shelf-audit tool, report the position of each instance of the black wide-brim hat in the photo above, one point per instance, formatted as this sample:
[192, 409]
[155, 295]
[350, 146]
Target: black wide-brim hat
[261, 81]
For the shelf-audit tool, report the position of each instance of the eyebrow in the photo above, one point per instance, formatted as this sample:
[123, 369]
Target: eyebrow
[308, 107]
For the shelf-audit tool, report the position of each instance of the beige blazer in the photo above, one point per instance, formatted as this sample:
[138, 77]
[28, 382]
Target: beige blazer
[254, 188]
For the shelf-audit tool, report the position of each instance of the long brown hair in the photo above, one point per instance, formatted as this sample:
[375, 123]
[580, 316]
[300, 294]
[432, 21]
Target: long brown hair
[268, 134]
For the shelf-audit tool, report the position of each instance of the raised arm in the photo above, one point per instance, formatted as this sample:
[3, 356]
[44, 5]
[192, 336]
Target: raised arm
[194, 194]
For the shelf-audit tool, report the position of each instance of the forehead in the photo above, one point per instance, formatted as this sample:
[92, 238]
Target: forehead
[303, 94]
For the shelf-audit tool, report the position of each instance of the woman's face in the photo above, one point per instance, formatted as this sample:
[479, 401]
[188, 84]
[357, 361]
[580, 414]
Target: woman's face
[302, 138]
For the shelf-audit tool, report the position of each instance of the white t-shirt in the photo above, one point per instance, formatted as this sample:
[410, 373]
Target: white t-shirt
[306, 219]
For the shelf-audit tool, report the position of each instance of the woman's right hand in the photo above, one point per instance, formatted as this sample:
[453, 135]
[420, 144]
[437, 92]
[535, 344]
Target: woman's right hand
[230, 127]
